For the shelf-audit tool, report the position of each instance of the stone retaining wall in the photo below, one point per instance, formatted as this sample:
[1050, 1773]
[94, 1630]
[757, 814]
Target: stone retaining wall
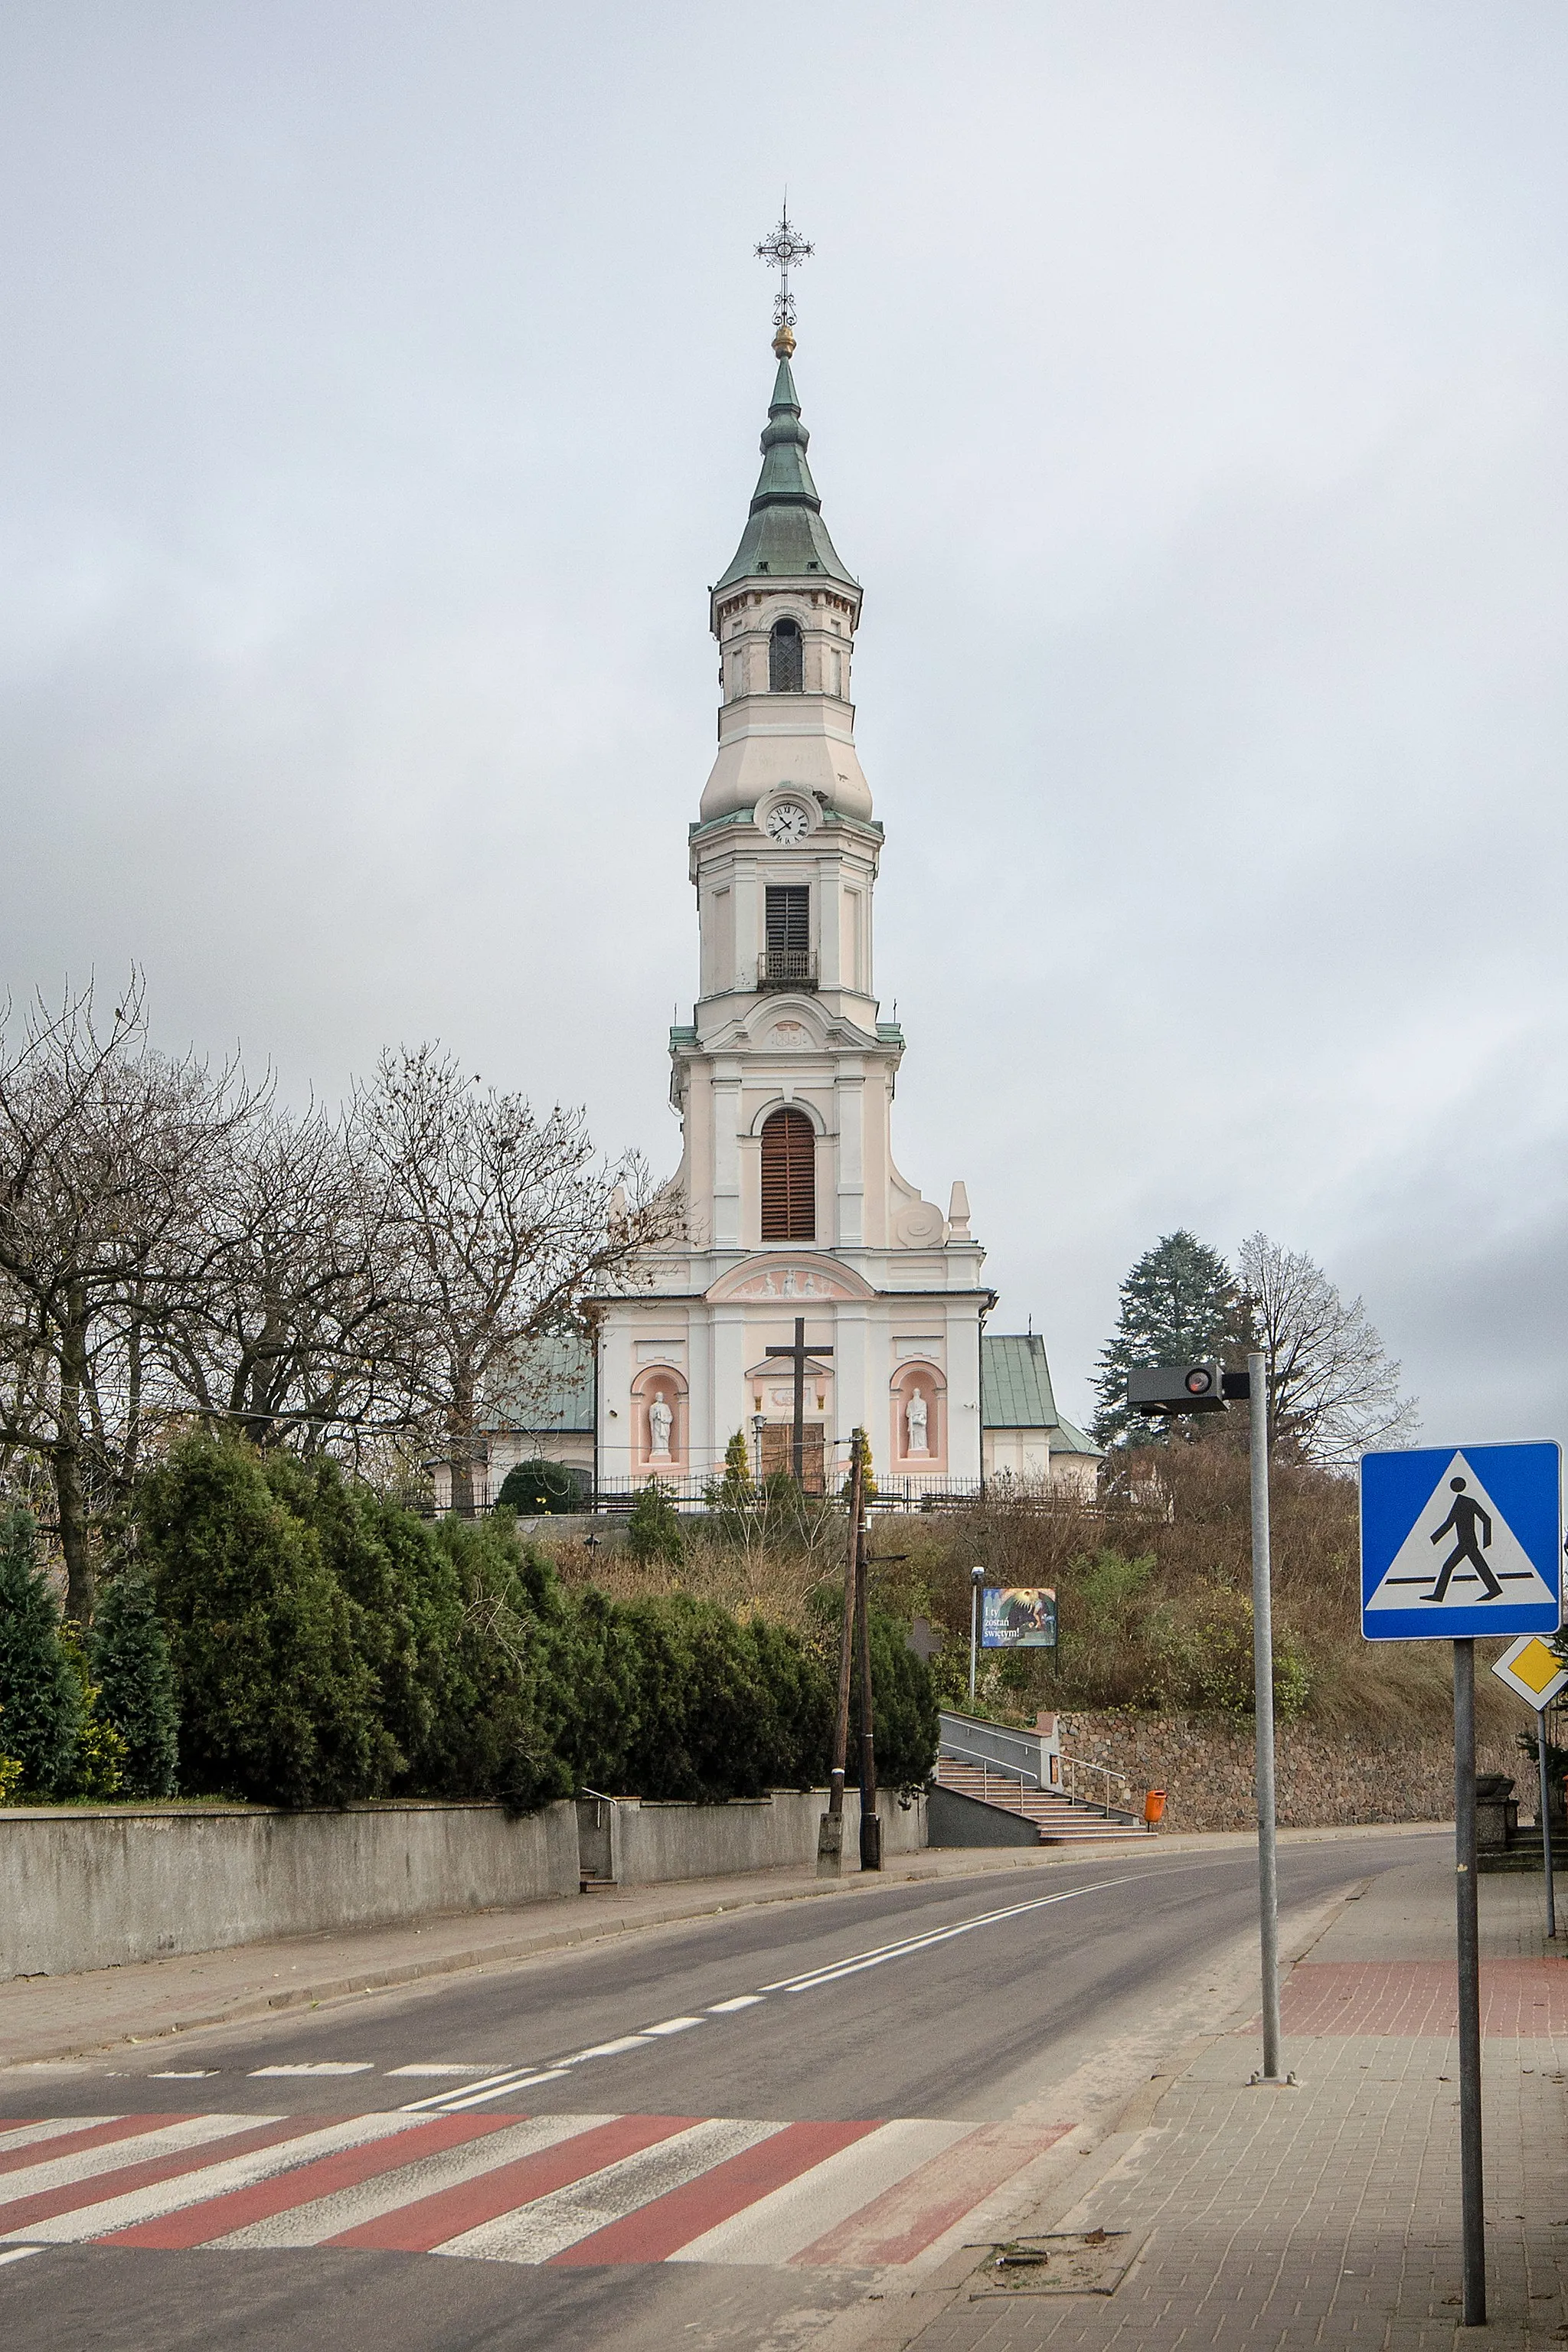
[1206, 1768]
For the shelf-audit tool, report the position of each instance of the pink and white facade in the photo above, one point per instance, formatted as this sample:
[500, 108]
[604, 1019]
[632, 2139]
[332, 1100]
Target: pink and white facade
[782, 1219]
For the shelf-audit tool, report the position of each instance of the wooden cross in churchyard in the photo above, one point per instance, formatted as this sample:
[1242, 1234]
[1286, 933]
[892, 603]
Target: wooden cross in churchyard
[800, 1356]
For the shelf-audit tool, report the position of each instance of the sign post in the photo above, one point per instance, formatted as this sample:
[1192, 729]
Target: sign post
[1538, 1675]
[1457, 1541]
[1263, 1717]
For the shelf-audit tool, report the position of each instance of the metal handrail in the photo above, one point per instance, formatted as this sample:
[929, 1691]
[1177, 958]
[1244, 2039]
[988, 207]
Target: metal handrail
[1074, 1765]
[991, 1763]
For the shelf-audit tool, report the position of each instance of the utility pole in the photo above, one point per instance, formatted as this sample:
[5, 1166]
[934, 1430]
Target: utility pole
[976, 1578]
[870, 1820]
[830, 1829]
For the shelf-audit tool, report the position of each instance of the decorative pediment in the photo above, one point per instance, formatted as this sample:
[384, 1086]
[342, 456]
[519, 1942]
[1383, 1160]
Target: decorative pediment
[793, 1275]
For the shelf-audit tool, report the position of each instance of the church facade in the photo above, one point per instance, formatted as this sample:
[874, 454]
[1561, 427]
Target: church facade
[795, 1226]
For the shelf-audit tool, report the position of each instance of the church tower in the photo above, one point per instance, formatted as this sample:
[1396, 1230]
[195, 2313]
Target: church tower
[790, 1204]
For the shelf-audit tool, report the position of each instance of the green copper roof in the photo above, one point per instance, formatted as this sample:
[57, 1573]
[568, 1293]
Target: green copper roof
[1016, 1390]
[786, 535]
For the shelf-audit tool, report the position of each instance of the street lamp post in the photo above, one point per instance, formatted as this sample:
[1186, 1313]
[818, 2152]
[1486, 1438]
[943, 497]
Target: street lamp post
[1203, 1387]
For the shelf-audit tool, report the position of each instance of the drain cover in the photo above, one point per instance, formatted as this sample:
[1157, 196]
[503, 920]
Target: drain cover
[1065, 2262]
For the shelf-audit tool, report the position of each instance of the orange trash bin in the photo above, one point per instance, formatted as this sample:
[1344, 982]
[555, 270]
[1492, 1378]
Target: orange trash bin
[1154, 1808]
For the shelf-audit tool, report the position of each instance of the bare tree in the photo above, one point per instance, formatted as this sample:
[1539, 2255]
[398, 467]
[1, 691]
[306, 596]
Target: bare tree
[1332, 1391]
[109, 1157]
[305, 1334]
[507, 1223]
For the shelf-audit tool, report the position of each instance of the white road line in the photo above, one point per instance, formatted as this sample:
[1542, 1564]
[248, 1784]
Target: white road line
[551, 2223]
[349, 2209]
[395, 2071]
[21, 2254]
[113, 2155]
[780, 2224]
[830, 1972]
[607, 2048]
[320, 2066]
[25, 2134]
[728, 2007]
[675, 2025]
[181, 2073]
[194, 2188]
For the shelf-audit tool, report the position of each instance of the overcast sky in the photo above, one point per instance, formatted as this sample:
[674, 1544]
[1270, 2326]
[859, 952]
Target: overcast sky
[379, 390]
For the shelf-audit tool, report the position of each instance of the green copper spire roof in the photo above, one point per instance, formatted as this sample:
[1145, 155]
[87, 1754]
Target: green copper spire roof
[786, 535]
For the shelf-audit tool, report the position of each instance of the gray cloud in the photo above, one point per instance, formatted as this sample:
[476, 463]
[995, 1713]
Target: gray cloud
[381, 390]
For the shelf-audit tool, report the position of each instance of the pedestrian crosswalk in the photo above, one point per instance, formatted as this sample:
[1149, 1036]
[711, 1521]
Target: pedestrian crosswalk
[567, 2191]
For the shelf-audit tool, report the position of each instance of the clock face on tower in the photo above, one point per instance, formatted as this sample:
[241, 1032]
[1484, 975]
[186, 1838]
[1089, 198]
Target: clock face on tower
[787, 822]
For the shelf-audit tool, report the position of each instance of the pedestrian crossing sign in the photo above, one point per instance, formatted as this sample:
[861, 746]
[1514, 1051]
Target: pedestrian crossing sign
[1459, 1541]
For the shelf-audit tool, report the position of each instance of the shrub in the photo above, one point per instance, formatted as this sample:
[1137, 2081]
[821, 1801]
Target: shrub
[905, 1729]
[99, 1771]
[129, 1653]
[41, 1697]
[654, 1530]
[276, 1703]
[531, 1487]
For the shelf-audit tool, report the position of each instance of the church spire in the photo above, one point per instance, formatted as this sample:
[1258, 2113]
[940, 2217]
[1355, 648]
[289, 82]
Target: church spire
[786, 536]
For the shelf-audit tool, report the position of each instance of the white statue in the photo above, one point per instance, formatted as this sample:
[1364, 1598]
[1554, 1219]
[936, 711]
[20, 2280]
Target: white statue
[915, 1413]
[660, 1422]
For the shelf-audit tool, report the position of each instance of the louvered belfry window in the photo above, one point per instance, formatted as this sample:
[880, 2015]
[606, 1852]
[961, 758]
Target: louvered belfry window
[789, 1178]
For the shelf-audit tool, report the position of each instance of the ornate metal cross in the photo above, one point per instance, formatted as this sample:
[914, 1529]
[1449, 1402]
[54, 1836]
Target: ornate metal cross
[783, 251]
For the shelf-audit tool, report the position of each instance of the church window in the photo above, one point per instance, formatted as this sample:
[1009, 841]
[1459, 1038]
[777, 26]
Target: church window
[787, 660]
[789, 1177]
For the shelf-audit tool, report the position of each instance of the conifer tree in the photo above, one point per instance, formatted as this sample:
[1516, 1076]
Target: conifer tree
[1179, 1303]
[737, 1479]
[41, 1697]
[129, 1655]
[654, 1530]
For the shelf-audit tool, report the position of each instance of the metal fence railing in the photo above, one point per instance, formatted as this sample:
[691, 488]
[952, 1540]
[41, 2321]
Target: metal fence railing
[609, 1498]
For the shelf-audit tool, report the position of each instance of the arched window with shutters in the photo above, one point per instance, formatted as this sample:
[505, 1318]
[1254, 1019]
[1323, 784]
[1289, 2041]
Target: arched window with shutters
[787, 659]
[789, 1177]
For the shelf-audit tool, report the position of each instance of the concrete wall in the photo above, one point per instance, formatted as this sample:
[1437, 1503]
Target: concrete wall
[89, 1889]
[649, 1843]
[957, 1820]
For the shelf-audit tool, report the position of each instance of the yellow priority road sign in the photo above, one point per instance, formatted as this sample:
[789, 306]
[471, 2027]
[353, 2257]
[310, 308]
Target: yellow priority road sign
[1532, 1669]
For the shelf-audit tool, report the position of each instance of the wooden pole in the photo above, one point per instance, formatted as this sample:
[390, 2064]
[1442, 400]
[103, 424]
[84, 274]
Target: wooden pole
[870, 1822]
[830, 1829]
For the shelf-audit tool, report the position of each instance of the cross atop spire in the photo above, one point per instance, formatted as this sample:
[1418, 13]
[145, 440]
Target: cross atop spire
[784, 250]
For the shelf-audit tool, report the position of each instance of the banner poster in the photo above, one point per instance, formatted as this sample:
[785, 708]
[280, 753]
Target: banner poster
[1013, 1618]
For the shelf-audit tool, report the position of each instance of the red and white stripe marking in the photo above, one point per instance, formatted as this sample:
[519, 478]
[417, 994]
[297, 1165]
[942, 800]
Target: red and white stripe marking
[563, 2189]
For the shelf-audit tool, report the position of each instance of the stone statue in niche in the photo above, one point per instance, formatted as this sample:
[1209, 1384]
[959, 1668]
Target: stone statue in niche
[915, 1414]
[660, 1422]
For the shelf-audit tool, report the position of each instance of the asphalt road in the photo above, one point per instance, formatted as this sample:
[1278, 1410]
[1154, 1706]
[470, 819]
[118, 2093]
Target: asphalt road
[907, 2019]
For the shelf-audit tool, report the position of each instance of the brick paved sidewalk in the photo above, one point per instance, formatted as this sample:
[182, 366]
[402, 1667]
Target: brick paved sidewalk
[1327, 2215]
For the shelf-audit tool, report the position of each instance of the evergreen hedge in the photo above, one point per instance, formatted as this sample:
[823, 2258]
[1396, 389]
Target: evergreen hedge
[41, 1707]
[326, 1644]
[128, 1652]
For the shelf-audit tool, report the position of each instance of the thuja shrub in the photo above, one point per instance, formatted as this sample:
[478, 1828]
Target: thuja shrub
[277, 1702]
[41, 1707]
[128, 1656]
